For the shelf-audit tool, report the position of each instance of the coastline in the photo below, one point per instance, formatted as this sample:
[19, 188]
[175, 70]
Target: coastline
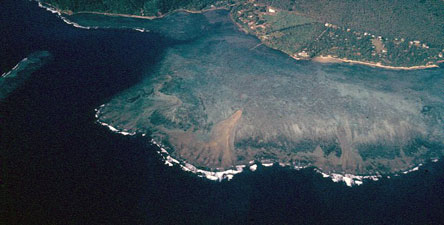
[70, 13]
[142, 17]
[319, 59]
[331, 59]
[59, 13]
[349, 179]
[219, 175]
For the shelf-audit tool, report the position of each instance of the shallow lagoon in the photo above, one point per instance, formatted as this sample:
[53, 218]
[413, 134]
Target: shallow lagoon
[219, 99]
[59, 166]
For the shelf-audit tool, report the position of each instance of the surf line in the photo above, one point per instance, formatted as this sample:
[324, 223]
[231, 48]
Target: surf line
[64, 19]
[349, 179]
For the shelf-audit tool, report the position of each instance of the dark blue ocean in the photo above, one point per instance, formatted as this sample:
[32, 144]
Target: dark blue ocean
[59, 167]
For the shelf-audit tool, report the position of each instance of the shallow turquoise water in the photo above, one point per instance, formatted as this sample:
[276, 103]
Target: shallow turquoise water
[60, 167]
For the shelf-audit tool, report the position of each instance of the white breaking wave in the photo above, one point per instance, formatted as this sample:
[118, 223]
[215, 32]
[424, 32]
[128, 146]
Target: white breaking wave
[267, 164]
[141, 30]
[59, 14]
[14, 68]
[413, 169]
[211, 175]
[113, 129]
[349, 179]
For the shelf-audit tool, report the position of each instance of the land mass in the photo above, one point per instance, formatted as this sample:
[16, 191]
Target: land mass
[222, 99]
[331, 59]
[402, 35]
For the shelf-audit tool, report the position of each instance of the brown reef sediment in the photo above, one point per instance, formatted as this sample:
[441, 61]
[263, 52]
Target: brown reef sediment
[217, 151]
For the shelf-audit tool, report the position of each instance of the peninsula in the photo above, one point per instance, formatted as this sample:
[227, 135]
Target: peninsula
[220, 99]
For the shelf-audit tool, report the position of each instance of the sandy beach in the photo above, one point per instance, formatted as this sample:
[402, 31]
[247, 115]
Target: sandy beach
[330, 59]
[67, 12]
[320, 59]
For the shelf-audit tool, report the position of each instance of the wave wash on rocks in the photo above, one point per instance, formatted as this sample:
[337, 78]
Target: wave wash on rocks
[218, 99]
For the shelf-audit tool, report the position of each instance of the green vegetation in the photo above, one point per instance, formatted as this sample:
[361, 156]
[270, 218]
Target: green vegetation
[220, 100]
[304, 34]
[411, 19]
[284, 20]
[402, 33]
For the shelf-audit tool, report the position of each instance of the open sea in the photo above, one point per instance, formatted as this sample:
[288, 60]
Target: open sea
[58, 166]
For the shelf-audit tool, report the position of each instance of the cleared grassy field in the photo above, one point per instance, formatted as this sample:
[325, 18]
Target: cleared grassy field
[284, 20]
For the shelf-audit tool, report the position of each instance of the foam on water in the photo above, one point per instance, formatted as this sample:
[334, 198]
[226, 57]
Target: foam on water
[113, 129]
[349, 179]
[14, 68]
[141, 30]
[211, 175]
[59, 14]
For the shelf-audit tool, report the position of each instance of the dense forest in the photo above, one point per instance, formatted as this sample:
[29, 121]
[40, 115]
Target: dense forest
[304, 36]
[411, 19]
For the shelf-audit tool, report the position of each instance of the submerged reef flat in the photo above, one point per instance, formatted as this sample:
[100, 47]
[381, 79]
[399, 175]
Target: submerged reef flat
[221, 99]
[21, 72]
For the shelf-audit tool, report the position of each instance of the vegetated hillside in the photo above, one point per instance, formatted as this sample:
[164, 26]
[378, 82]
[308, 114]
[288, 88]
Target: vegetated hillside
[401, 33]
[136, 7]
[411, 19]
[303, 37]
